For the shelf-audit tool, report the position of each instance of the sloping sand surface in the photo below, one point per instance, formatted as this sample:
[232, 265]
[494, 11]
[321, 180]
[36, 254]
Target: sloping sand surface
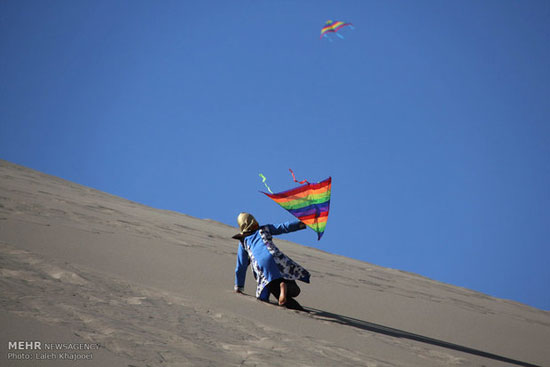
[154, 288]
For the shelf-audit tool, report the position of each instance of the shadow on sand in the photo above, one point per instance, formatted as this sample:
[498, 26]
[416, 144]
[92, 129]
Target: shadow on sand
[381, 329]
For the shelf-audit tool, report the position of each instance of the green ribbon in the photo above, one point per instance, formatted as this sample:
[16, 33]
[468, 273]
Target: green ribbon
[263, 180]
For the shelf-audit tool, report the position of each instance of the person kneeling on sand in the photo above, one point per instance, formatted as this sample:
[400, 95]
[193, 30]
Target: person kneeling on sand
[275, 273]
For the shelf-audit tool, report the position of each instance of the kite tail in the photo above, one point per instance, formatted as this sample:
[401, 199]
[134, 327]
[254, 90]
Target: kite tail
[263, 180]
[295, 180]
[339, 35]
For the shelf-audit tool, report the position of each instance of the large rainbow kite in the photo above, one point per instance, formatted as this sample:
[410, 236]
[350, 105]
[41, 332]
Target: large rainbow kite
[310, 203]
[334, 27]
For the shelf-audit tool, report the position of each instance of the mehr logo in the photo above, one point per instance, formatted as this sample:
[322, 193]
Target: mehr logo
[35, 350]
[25, 345]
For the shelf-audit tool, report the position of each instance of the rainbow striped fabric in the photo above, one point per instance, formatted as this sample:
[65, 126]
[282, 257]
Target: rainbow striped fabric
[309, 203]
[333, 26]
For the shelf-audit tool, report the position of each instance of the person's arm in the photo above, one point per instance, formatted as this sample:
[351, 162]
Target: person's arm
[285, 227]
[240, 270]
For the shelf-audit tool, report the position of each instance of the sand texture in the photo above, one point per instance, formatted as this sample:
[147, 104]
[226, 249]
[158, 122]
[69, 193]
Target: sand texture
[155, 288]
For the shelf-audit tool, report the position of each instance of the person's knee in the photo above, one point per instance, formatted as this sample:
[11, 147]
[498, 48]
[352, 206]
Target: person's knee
[274, 287]
[293, 289]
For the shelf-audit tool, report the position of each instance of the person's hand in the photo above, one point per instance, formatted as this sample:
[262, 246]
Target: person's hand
[302, 225]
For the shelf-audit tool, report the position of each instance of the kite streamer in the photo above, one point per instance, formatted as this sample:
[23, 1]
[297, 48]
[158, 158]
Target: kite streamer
[294, 178]
[263, 180]
[310, 203]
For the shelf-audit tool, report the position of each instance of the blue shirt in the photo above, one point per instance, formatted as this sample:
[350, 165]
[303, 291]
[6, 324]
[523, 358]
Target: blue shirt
[268, 262]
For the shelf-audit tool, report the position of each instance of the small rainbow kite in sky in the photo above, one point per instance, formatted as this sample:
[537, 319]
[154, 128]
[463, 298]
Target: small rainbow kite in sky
[333, 26]
[310, 203]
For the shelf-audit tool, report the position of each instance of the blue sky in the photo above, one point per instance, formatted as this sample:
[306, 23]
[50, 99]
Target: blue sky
[432, 117]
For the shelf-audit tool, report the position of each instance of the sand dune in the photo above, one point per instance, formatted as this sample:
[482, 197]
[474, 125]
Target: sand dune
[152, 287]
